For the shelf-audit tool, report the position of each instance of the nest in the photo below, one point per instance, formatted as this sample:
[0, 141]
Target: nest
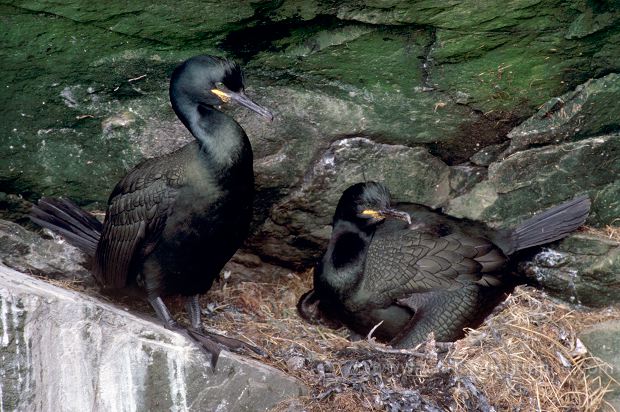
[607, 232]
[525, 356]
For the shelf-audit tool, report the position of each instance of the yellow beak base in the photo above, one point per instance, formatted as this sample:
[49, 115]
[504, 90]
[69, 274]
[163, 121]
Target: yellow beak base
[222, 95]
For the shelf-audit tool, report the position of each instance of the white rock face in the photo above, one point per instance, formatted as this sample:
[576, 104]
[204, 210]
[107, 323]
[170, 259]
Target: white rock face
[64, 351]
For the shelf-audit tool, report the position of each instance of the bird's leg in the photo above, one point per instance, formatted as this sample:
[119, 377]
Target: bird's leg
[194, 310]
[210, 339]
[162, 312]
[192, 305]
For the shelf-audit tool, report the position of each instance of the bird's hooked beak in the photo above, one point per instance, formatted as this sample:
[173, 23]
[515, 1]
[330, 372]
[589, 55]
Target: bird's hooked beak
[227, 96]
[309, 310]
[387, 213]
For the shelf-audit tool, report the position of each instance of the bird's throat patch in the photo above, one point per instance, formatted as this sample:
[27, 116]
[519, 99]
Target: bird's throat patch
[348, 249]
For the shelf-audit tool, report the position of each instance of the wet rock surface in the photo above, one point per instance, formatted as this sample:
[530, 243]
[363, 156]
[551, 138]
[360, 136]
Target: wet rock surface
[62, 350]
[52, 258]
[580, 269]
[591, 109]
[534, 179]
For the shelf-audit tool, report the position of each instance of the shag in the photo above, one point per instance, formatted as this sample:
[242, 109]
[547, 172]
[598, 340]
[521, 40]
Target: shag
[421, 272]
[173, 221]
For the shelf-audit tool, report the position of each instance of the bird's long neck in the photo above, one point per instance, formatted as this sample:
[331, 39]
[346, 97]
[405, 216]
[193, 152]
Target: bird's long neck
[345, 257]
[221, 138]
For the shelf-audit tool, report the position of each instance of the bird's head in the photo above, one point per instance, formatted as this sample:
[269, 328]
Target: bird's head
[212, 81]
[309, 309]
[367, 204]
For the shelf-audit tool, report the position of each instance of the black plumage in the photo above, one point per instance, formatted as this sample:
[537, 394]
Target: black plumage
[426, 272]
[173, 221]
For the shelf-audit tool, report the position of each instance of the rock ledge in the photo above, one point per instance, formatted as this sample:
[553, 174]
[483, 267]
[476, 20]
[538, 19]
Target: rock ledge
[61, 350]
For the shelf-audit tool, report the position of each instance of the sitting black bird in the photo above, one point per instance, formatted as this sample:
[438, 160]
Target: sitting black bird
[421, 272]
[173, 221]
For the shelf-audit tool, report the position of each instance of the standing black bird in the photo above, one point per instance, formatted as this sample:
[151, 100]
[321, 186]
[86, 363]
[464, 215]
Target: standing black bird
[433, 272]
[173, 221]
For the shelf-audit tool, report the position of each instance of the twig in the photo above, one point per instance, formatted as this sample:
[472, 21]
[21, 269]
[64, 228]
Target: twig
[369, 337]
[372, 344]
[137, 78]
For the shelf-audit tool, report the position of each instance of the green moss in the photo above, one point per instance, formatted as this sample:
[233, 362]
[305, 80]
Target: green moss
[499, 72]
[75, 76]
[587, 245]
[516, 58]
[167, 23]
[606, 205]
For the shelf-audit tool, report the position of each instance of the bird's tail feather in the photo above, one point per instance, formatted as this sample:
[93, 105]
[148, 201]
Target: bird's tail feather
[78, 227]
[552, 224]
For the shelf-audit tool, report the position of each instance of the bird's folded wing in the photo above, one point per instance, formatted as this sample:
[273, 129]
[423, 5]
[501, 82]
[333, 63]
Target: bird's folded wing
[136, 216]
[405, 262]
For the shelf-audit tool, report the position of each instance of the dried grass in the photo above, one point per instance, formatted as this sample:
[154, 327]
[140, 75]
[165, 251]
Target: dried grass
[75, 285]
[526, 356]
[609, 232]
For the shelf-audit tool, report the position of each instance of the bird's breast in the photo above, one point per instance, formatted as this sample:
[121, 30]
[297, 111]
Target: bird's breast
[210, 203]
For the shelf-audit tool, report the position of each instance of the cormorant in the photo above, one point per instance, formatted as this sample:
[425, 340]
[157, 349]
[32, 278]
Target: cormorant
[421, 272]
[173, 221]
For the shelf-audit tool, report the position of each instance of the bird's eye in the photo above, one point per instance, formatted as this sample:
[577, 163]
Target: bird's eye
[219, 85]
